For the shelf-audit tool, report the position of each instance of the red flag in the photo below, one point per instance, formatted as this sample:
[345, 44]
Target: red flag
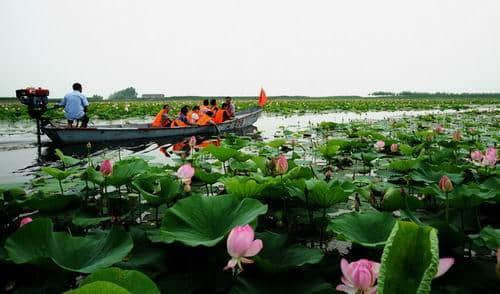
[262, 98]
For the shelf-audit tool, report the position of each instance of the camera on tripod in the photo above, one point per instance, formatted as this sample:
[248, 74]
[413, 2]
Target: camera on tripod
[36, 99]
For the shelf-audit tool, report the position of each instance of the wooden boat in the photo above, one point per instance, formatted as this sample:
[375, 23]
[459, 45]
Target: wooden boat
[64, 135]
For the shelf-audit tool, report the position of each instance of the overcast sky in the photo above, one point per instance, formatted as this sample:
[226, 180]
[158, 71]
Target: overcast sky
[233, 47]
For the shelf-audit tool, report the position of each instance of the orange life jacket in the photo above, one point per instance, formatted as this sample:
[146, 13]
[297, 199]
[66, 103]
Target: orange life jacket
[219, 116]
[203, 120]
[157, 120]
[178, 123]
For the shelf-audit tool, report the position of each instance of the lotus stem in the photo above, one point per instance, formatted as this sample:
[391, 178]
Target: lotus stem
[60, 186]
[447, 209]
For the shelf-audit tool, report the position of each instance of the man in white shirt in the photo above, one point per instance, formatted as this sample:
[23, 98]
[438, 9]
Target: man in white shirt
[75, 106]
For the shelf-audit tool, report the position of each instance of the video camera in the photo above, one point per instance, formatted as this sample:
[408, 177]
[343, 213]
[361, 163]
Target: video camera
[36, 99]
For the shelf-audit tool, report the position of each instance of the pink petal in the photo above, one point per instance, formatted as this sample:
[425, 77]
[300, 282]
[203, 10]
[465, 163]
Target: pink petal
[239, 240]
[362, 277]
[346, 289]
[231, 264]
[346, 270]
[254, 248]
[444, 266]
[371, 290]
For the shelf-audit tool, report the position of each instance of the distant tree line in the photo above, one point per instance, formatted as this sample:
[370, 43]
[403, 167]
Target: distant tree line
[435, 94]
[128, 93]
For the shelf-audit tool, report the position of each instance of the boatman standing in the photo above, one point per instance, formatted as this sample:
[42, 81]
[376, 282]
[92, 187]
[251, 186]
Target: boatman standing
[75, 106]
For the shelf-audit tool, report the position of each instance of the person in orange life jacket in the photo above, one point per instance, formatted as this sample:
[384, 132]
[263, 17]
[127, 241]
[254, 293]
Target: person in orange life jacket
[230, 107]
[221, 115]
[206, 119]
[182, 120]
[213, 106]
[194, 114]
[205, 107]
[162, 120]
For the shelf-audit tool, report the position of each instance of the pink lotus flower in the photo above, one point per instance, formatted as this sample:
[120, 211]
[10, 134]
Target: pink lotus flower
[106, 167]
[192, 141]
[359, 277]
[476, 155]
[394, 148]
[490, 157]
[445, 184]
[379, 145]
[25, 221]
[240, 245]
[457, 136]
[439, 129]
[444, 266]
[185, 172]
[281, 164]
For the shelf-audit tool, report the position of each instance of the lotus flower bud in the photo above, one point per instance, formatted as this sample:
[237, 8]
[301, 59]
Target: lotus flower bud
[359, 276]
[439, 129]
[106, 167]
[379, 145]
[394, 148]
[89, 145]
[240, 245]
[186, 171]
[445, 184]
[25, 221]
[444, 265]
[281, 164]
[476, 155]
[457, 136]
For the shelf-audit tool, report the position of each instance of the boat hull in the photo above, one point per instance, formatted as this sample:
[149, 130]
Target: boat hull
[63, 135]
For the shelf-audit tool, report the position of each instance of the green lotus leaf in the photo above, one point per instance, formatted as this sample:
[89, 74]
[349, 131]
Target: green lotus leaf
[52, 203]
[405, 149]
[279, 256]
[403, 165]
[99, 287]
[491, 237]
[242, 157]
[35, 242]
[359, 227]
[243, 187]
[12, 192]
[299, 172]
[324, 195]
[157, 189]
[209, 178]
[467, 196]
[284, 285]
[86, 219]
[393, 200]
[67, 160]
[329, 151]
[125, 170]
[222, 154]
[56, 173]
[262, 164]
[276, 143]
[201, 220]
[133, 281]
[91, 175]
[243, 166]
[410, 259]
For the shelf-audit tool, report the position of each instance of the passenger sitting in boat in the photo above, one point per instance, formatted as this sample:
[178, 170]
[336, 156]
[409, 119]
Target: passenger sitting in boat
[206, 119]
[221, 115]
[205, 107]
[213, 106]
[161, 120]
[75, 106]
[230, 107]
[194, 114]
[182, 120]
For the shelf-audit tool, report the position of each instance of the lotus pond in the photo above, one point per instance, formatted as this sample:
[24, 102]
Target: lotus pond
[407, 205]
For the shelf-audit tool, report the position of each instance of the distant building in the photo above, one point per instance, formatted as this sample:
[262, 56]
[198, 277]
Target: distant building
[153, 96]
